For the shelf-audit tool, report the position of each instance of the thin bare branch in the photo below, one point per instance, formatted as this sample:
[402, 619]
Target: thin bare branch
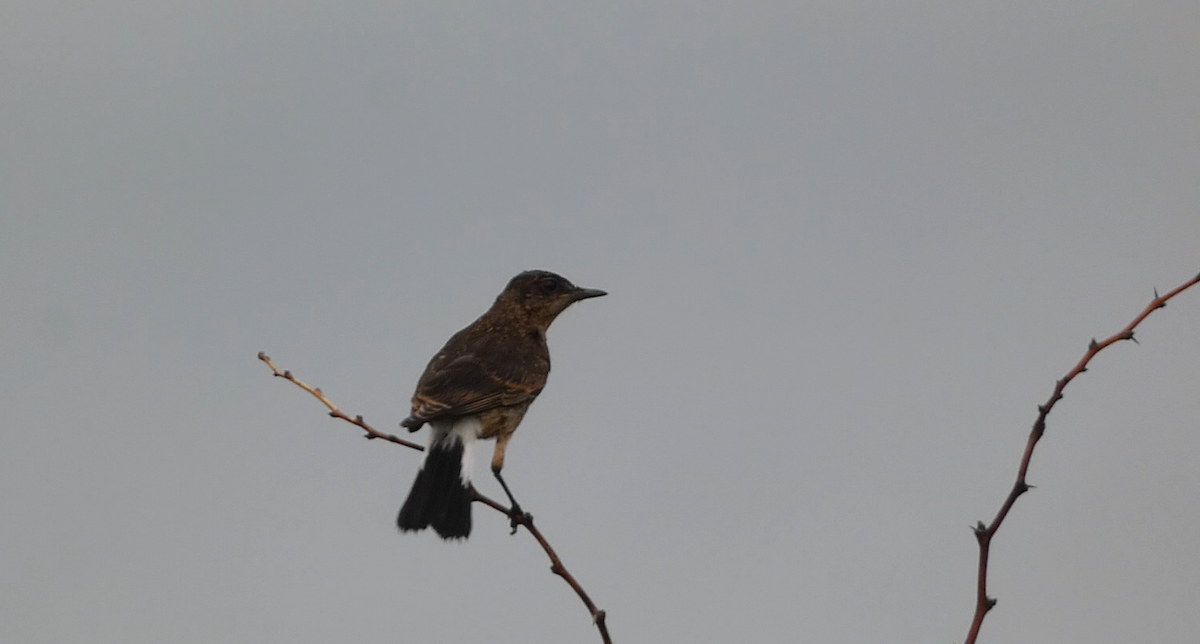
[333, 409]
[984, 533]
[556, 565]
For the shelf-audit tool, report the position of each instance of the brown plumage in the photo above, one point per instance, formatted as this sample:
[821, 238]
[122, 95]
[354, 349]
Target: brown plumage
[479, 386]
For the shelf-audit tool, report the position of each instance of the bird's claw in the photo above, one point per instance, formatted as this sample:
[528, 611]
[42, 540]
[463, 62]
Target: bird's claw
[518, 517]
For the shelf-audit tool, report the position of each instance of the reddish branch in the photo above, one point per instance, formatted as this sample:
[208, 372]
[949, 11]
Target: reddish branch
[556, 565]
[984, 533]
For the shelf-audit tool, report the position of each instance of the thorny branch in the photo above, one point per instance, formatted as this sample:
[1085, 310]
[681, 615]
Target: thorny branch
[556, 565]
[984, 533]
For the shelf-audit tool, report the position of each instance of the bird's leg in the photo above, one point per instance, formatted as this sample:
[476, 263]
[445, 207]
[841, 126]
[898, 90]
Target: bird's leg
[516, 516]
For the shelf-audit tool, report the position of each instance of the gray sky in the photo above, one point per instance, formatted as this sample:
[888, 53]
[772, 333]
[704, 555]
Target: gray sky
[849, 247]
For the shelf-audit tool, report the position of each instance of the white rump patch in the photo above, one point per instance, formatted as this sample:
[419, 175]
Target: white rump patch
[463, 430]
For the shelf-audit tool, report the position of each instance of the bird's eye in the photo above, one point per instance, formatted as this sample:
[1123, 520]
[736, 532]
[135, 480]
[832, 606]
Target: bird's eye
[548, 286]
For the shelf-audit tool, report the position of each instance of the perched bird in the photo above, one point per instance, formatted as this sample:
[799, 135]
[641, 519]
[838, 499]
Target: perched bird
[479, 386]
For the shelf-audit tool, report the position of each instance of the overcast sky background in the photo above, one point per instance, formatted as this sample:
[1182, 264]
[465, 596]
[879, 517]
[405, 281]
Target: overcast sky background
[849, 246]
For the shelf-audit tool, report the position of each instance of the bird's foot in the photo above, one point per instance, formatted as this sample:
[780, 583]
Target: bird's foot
[518, 517]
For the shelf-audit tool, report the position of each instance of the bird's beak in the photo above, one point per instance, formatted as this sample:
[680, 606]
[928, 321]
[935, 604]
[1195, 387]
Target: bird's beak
[585, 293]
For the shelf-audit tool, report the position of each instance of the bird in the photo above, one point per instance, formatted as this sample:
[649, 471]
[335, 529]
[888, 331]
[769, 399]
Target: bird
[479, 386]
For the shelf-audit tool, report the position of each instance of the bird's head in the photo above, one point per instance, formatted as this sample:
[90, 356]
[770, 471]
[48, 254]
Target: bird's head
[542, 295]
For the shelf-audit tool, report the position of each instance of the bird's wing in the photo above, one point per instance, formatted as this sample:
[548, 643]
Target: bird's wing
[465, 385]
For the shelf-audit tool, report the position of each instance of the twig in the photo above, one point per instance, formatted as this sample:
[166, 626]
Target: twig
[333, 409]
[556, 565]
[984, 533]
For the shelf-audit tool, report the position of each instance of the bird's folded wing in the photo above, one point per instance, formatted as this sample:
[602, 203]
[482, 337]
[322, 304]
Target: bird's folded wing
[465, 386]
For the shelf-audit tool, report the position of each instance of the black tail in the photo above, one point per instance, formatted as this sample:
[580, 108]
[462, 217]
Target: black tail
[439, 497]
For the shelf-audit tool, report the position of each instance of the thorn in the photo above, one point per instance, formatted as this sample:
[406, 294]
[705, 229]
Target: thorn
[600, 615]
[288, 375]
[1092, 345]
[318, 390]
[1156, 293]
[358, 419]
[1030, 487]
[334, 414]
[1129, 336]
[1021, 487]
[991, 603]
[1041, 409]
[1082, 369]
